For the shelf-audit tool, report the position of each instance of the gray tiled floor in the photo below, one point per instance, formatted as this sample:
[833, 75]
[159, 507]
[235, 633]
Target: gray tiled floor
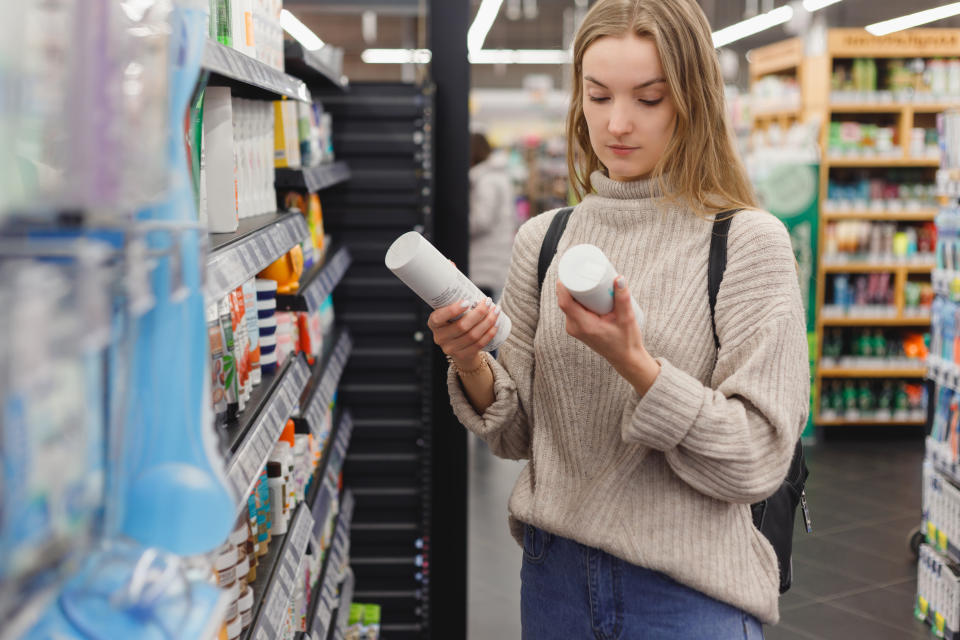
[854, 576]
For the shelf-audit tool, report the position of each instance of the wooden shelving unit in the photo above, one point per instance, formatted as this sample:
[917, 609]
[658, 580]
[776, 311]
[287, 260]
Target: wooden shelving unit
[813, 74]
[920, 215]
[917, 372]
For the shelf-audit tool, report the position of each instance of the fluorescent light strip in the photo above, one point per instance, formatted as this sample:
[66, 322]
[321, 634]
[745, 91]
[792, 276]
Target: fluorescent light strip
[299, 31]
[914, 19]
[396, 56]
[486, 56]
[520, 56]
[486, 15]
[750, 26]
[816, 5]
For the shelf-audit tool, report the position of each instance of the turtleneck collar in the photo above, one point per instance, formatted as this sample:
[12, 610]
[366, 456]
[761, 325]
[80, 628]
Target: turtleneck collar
[606, 187]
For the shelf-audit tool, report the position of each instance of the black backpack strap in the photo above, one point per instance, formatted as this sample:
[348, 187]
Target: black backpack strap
[550, 242]
[717, 265]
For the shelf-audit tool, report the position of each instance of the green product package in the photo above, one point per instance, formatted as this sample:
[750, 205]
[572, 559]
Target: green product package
[220, 22]
[195, 144]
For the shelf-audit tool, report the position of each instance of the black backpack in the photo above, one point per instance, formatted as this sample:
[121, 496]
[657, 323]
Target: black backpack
[775, 516]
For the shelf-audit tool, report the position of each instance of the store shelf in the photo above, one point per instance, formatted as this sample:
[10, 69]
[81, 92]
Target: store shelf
[868, 423]
[864, 321]
[317, 396]
[920, 215]
[890, 107]
[342, 615]
[944, 373]
[274, 589]
[942, 459]
[873, 373]
[236, 257]
[318, 283]
[257, 429]
[313, 179]
[871, 162]
[869, 267]
[325, 603]
[777, 114]
[323, 67]
[248, 77]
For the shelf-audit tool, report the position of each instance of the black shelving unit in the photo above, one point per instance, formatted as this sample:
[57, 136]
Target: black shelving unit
[313, 179]
[248, 77]
[236, 257]
[384, 132]
[318, 283]
[321, 68]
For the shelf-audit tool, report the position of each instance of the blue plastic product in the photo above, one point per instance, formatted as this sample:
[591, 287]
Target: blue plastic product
[174, 489]
[122, 594]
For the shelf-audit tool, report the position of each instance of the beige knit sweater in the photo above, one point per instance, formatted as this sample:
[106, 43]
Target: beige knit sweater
[664, 481]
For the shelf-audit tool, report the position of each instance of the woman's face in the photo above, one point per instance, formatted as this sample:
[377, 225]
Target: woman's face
[630, 114]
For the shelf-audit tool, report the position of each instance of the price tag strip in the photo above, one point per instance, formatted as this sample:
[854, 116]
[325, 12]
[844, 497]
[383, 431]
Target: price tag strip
[332, 273]
[243, 469]
[316, 410]
[333, 576]
[232, 265]
[325, 176]
[346, 599]
[232, 64]
[284, 582]
[941, 456]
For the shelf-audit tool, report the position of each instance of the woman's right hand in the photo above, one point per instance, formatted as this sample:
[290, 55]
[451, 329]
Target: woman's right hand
[464, 338]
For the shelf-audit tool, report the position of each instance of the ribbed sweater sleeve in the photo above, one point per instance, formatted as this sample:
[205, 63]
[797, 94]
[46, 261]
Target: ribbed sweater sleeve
[733, 440]
[505, 425]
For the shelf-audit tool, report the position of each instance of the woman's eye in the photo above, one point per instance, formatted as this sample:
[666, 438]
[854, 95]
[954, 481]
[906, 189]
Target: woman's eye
[652, 103]
[598, 99]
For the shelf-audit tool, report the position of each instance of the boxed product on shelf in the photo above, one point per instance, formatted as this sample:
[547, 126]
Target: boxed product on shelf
[860, 294]
[893, 193]
[252, 27]
[879, 242]
[850, 138]
[237, 160]
[873, 348]
[895, 79]
[773, 93]
[873, 400]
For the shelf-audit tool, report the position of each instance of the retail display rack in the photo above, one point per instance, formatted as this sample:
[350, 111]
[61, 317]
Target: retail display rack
[385, 131]
[938, 571]
[876, 131]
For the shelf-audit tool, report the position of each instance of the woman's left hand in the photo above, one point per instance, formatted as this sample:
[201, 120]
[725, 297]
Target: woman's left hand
[615, 335]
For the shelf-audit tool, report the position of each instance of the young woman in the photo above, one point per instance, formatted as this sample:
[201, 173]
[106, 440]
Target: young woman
[647, 448]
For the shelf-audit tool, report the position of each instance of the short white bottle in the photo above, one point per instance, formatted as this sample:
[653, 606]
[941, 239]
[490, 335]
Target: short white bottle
[588, 275]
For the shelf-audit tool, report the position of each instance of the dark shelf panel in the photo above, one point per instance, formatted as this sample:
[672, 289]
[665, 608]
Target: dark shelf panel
[236, 257]
[318, 283]
[313, 179]
[248, 77]
[321, 68]
[257, 429]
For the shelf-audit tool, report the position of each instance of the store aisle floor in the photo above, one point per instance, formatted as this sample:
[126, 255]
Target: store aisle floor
[855, 576]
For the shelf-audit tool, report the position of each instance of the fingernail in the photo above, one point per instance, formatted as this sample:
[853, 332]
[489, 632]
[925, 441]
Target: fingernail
[496, 311]
[464, 304]
[620, 282]
[488, 302]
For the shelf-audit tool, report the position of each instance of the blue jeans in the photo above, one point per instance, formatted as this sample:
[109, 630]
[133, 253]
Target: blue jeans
[573, 592]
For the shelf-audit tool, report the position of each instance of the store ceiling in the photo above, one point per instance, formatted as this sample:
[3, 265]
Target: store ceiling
[400, 25]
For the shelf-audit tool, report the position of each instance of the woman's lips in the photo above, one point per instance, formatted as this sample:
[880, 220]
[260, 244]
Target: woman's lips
[622, 150]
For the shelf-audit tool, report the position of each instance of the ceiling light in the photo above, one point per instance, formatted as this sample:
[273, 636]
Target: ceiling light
[300, 32]
[486, 56]
[914, 19]
[486, 15]
[396, 56]
[750, 26]
[816, 5]
[520, 56]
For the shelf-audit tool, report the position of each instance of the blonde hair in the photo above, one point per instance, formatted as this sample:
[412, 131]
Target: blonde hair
[700, 167]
